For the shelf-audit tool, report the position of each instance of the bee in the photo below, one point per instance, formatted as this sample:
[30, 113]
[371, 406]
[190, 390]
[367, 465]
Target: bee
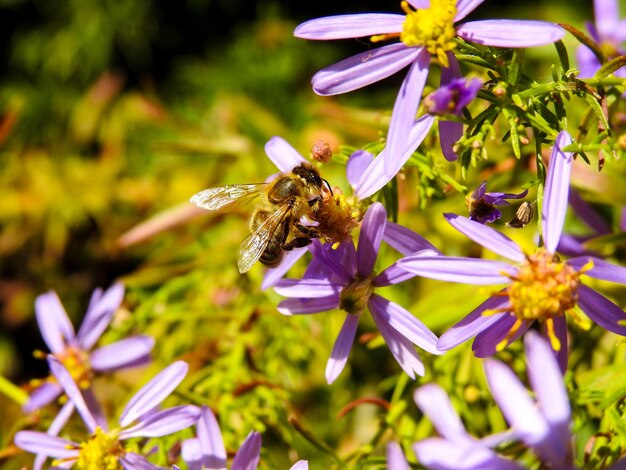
[275, 225]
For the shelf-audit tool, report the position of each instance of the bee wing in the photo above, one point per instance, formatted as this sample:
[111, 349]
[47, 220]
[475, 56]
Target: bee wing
[255, 243]
[215, 199]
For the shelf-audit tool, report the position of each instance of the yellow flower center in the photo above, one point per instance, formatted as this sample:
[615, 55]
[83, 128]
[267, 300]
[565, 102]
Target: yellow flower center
[336, 217]
[76, 361]
[432, 28]
[101, 452]
[354, 297]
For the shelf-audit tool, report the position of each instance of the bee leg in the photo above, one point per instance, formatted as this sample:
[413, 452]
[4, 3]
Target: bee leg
[298, 242]
[310, 232]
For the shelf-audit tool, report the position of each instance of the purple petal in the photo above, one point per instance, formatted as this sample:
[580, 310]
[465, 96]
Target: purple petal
[434, 403]
[419, 4]
[401, 348]
[556, 192]
[210, 437]
[341, 349]
[601, 310]
[440, 454]
[395, 457]
[41, 443]
[516, 405]
[154, 392]
[273, 275]
[306, 288]
[74, 394]
[282, 154]
[606, 13]
[132, 461]
[363, 69]
[588, 63]
[587, 214]
[486, 342]
[600, 270]
[297, 306]
[162, 423]
[374, 178]
[350, 26]
[487, 237]
[371, 235]
[247, 457]
[337, 266]
[510, 33]
[464, 270]
[465, 7]
[127, 352]
[404, 323]
[449, 133]
[300, 465]
[403, 114]
[546, 380]
[56, 328]
[42, 395]
[472, 324]
[356, 166]
[404, 240]
[191, 452]
[395, 274]
[99, 316]
[61, 419]
[560, 330]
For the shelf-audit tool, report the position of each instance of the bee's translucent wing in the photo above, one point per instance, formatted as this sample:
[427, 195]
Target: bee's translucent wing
[255, 243]
[215, 199]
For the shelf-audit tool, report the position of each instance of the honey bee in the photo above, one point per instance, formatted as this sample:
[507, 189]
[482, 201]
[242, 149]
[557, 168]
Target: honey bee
[275, 225]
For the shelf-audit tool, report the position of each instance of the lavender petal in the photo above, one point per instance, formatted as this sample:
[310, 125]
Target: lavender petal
[560, 330]
[300, 465]
[41, 443]
[516, 405]
[486, 342]
[404, 323]
[487, 237]
[74, 394]
[42, 395]
[434, 403]
[472, 324]
[306, 288]
[127, 352]
[404, 240]
[606, 13]
[56, 328]
[282, 154]
[370, 237]
[191, 452]
[341, 349]
[465, 7]
[440, 454]
[273, 275]
[395, 457]
[247, 457]
[556, 192]
[356, 166]
[510, 33]
[363, 69]
[601, 310]
[349, 26]
[295, 306]
[464, 270]
[210, 437]
[394, 274]
[162, 423]
[154, 392]
[600, 270]
[99, 316]
[588, 63]
[449, 133]
[132, 461]
[587, 214]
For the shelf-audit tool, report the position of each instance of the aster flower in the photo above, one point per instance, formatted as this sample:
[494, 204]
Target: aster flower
[75, 350]
[104, 449]
[349, 283]
[482, 205]
[609, 32]
[428, 32]
[542, 423]
[539, 287]
[206, 451]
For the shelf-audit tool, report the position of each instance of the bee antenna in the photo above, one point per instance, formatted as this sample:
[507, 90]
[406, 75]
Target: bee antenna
[329, 188]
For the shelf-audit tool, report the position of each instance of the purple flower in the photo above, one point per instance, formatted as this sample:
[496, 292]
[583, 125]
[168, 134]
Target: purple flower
[482, 205]
[344, 279]
[542, 423]
[104, 449]
[429, 32]
[450, 99]
[609, 32]
[75, 351]
[207, 450]
[539, 287]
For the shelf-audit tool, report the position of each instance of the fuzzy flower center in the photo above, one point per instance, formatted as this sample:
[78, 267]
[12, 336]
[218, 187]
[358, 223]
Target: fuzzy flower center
[432, 28]
[336, 217]
[355, 296]
[101, 452]
[76, 361]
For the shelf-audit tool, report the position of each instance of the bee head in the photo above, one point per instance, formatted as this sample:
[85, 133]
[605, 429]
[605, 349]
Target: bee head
[309, 174]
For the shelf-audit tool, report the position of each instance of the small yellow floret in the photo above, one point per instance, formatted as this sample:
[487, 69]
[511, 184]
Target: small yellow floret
[101, 452]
